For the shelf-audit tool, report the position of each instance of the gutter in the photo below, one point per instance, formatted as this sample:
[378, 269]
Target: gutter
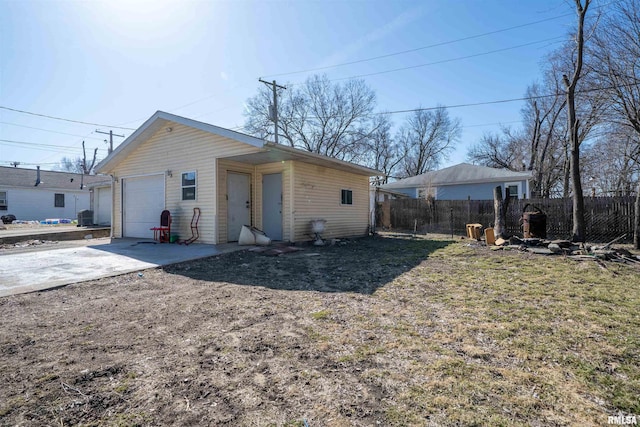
[113, 205]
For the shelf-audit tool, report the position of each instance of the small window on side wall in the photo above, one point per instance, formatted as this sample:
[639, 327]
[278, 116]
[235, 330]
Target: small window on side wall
[346, 197]
[3, 200]
[513, 190]
[188, 186]
[58, 201]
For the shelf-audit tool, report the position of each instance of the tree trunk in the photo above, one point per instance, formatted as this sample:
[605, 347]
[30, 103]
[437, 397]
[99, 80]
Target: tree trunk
[578, 233]
[636, 231]
[500, 213]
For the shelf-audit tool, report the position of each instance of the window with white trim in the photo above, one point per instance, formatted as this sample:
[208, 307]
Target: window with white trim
[188, 185]
[3, 201]
[514, 189]
[346, 197]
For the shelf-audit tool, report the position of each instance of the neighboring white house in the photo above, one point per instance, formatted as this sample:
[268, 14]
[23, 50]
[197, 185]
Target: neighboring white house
[34, 194]
[463, 181]
[179, 164]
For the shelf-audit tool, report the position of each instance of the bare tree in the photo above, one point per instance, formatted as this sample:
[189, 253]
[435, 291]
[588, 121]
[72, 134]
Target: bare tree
[617, 48]
[541, 115]
[611, 163]
[570, 86]
[319, 116]
[498, 151]
[426, 139]
[383, 154]
[79, 164]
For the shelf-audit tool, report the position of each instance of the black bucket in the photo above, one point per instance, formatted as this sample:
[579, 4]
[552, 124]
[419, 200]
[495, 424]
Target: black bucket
[534, 223]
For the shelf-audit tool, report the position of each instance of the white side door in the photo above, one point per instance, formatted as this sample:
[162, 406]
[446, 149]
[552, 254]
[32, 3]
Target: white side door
[238, 204]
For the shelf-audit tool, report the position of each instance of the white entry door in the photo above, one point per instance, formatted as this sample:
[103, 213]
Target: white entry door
[238, 204]
[143, 200]
[272, 205]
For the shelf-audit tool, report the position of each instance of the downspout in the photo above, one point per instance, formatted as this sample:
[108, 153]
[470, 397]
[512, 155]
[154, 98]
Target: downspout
[376, 195]
[113, 205]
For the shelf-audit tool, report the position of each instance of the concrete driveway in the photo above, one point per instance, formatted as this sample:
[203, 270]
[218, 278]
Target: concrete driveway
[36, 270]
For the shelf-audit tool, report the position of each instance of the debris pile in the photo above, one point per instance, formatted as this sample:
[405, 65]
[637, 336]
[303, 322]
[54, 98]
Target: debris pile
[27, 243]
[577, 251]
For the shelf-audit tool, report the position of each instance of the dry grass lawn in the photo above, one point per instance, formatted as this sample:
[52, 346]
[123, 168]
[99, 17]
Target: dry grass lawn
[387, 331]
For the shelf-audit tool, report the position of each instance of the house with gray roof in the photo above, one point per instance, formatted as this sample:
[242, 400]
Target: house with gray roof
[463, 181]
[34, 194]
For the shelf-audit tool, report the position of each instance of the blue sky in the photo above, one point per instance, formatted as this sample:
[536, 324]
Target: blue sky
[115, 62]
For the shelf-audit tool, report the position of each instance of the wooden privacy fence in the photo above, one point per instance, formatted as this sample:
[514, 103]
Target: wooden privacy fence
[606, 217]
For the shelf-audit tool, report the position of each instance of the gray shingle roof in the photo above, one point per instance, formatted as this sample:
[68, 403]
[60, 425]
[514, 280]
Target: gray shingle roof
[21, 177]
[463, 173]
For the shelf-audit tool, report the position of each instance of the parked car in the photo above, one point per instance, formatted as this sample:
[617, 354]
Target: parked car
[8, 219]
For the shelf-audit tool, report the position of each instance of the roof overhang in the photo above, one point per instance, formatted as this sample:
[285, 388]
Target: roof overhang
[502, 179]
[273, 153]
[162, 120]
[267, 152]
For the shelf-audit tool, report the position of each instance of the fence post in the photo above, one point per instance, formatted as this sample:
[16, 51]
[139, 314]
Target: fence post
[451, 221]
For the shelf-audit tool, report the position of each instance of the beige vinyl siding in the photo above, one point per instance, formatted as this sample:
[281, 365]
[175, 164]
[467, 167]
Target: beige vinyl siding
[184, 149]
[317, 195]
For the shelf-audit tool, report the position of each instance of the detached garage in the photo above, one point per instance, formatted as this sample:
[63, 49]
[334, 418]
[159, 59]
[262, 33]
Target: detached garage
[179, 164]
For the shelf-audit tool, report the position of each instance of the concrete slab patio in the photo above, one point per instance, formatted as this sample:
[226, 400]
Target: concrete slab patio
[38, 270]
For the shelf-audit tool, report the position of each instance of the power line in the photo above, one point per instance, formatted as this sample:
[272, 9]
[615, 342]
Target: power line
[439, 62]
[498, 101]
[32, 143]
[56, 151]
[421, 48]
[501, 101]
[62, 119]
[41, 147]
[491, 124]
[29, 164]
[48, 130]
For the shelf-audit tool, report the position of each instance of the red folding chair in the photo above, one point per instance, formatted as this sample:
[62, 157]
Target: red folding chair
[162, 234]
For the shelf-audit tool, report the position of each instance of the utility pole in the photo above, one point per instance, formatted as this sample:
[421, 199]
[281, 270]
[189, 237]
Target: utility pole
[111, 135]
[274, 112]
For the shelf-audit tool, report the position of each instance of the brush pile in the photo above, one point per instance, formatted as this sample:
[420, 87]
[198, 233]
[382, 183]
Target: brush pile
[576, 251]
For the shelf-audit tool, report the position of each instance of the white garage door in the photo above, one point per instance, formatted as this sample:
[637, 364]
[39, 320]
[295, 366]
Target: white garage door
[143, 203]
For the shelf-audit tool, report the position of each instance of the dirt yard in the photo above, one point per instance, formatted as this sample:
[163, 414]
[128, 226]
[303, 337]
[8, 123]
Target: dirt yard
[374, 331]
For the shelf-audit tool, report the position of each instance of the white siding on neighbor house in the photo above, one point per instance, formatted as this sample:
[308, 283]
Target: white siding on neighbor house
[317, 194]
[184, 149]
[37, 204]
